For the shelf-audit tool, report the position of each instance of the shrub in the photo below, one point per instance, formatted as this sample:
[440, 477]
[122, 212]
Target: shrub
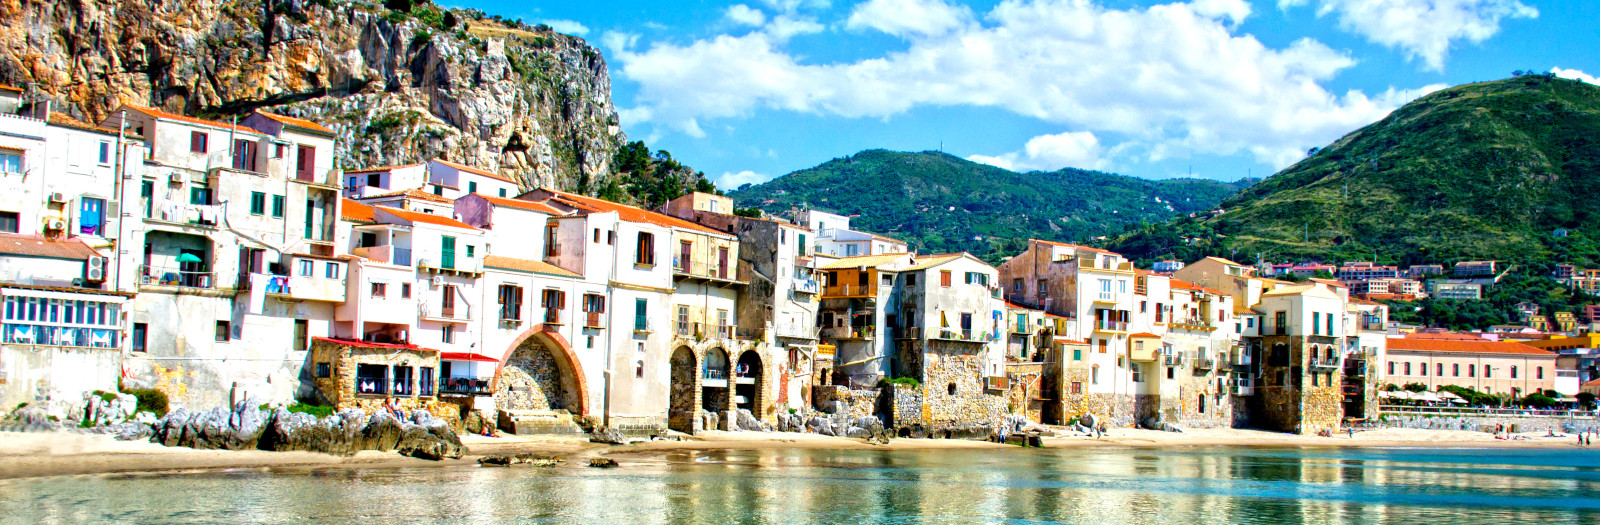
[150, 399]
[315, 410]
[1538, 401]
[1416, 387]
[903, 381]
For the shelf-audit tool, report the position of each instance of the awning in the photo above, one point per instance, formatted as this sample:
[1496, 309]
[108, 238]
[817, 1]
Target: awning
[466, 356]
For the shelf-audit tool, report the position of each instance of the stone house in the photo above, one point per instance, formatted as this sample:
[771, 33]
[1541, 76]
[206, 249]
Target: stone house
[1303, 344]
[860, 302]
[950, 339]
[374, 376]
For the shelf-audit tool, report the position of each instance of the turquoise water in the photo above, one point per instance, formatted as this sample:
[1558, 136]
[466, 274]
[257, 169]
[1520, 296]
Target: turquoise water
[1114, 485]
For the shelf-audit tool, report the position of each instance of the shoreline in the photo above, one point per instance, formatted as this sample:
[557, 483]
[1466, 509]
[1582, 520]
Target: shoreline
[32, 455]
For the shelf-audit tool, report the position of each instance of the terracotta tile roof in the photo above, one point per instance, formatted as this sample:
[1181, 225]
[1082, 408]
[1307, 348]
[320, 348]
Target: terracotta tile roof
[479, 171]
[382, 168]
[1473, 347]
[1144, 335]
[426, 218]
[1592, 382]
[1330, 282]
[1179, 283]
[629, 213]
[1065, 245]
[12, 89]
[184, 118]
[1243, 310]
[526, 265]
[58, 119]
[368, 344]
[1019, 306]
[861, 261]
[38, 246]
[354, 211]
[414, 194]
[928, 261]
[296, 122]
[1444, 336]
[519, 203]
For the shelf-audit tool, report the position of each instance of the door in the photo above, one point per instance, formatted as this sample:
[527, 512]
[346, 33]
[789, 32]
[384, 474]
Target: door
[722, 263]
[447, 301]
[684, 250]
[305, 159]
[447, 252]
[147, 193]
[91, 216]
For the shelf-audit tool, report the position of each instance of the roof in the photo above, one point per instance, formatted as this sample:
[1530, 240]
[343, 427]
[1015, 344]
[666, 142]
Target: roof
[58, 119]
[184, 118]
[382, 168]
[296, 122]
[368, 344]
[1049, 315]
[1471, 347]
[1329, 282]
[1144, 335]
[519, 203]
[1243, 310]
[39, 246]
[861, 261]
[425, 218]
[629, 213]
[1070, 341]
[1065, 245]
[1444, 336]
[526, 265]
[1010, 304]
[1179, 283]
[466, 356]
[12, 89]
[1592, 382]
[1288, 290]
[929, 261]
[479, 171]
[66, 289]
[1223, 261]
[412, 193]
[354, 211]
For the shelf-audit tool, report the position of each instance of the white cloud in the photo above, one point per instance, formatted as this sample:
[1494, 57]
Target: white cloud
[570, 27]
[1423, 29]
[746, 15]
[1168, 78]
[909, 17]
[1575, 75]
[1075, 149]
[731, 180]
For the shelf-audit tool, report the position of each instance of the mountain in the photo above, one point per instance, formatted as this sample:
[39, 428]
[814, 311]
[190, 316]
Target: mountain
[940, 202]
[1492, 170]
[398, 85]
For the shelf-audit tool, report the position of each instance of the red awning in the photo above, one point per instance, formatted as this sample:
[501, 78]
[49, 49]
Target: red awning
[466, 356]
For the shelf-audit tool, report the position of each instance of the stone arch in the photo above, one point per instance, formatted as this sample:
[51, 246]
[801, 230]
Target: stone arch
[684, 395]
[540, 371]
[715, 395]
[750, 382]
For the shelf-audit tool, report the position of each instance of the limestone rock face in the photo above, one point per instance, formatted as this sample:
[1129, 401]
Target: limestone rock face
[396, 87]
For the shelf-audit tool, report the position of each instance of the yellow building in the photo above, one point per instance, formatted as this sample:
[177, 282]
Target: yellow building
[1486, 366]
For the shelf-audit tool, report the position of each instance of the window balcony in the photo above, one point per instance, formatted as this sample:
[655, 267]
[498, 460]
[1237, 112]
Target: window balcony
[849, 332]
[384, 254]
[431, 312]
[175, 277]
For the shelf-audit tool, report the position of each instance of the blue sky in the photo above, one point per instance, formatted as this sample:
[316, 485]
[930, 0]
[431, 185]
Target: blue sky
[749, 90]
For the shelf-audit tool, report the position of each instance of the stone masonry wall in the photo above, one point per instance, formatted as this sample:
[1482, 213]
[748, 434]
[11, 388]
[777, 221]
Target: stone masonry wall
[950, 366]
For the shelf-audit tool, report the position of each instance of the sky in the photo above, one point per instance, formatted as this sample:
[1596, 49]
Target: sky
[749, 90]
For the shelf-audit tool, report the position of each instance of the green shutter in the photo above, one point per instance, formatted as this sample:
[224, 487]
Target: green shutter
[277, 206]
[639, 309]
[447, 252]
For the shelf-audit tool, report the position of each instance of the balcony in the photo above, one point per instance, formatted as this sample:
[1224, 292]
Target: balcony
[714, 377]
[464, 386]
[796, 330]
[865, 333]
[1204, 362]
[1193, 323]
[156, 277]
[1105, 297]
[1354, 367]
[807, 286]
[1326, 362]
[1373, 325]
[594, 320]
[323, 289]
[734, 273]
[1172, 359]
[386, 254]
[850, 290]
[1241, 358]
[1094, 263]
[552, 316]
[1111, 326]
[430, 312]
[960, 336]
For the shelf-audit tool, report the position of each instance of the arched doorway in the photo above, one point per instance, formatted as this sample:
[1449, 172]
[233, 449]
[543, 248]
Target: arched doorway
[714, 381]
[749, 383]
[539, 373]
[681, 408]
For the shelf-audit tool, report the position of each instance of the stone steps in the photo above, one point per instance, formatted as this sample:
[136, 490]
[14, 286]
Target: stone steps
[524, 422]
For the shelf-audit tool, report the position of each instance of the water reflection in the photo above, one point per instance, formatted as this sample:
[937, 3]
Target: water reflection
[783, 486]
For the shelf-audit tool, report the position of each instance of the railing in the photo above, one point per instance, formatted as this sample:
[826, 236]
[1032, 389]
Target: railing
[593, 320]
[1326, 362]
[809, 286]
[1107, 296]
[1373, 326]
[1241, 358]
[715, 373]
[428, 311]
[849, 332]
[30, 334]
[1488, 411]
[552, 316]
[464, 386]
[169, 276]
[911, 332]
[384, 254]
[1116, 326]
[1172, 360]
[1204, 363]
[848, 290]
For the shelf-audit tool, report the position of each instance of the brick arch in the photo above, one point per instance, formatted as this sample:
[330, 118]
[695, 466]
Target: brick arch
[761, 401]
[561, 350]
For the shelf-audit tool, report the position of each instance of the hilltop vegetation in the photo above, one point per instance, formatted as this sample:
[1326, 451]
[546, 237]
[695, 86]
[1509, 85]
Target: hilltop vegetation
[1480, 171]
[942, 203]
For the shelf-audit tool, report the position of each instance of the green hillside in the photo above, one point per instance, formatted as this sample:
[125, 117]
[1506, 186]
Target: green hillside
[940, 202]
[1489, 170]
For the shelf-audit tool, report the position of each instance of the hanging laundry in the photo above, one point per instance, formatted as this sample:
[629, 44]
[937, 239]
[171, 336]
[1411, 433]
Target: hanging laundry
[258, 299]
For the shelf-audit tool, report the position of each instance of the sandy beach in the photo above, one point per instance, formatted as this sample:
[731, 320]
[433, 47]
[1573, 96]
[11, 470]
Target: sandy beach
[24, 455]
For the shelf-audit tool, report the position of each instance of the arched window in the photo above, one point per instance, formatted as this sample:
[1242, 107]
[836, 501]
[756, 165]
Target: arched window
[1391, 368]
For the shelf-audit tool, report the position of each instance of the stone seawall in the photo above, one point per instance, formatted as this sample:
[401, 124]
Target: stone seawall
[1487, 423]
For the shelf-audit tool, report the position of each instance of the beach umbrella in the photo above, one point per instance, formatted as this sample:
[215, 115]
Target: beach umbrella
[1428, 396]
[1446, 394]
[187, 257]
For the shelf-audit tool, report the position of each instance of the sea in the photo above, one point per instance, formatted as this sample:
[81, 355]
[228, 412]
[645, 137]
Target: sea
[1407, 486]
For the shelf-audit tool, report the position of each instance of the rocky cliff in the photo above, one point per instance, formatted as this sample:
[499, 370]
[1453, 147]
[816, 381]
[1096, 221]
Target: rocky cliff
[398, 86]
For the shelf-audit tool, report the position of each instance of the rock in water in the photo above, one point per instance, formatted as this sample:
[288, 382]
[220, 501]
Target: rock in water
[603, 463]
[608, 436]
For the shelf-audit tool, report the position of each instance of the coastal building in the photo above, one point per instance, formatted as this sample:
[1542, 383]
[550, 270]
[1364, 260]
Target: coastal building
[1420, 271]
[1475, 268]
[1486, 366]
[1166, 267]
[835, 238]
[859, 299]
[1303, 345]
[1445, 289]
[387, 179]
[1366, 271]
[60, 338]
[949, 338]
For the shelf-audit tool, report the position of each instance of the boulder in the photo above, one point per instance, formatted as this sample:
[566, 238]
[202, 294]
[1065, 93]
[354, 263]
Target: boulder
[603, 463]
[858, 433]
[609, 436]
[1088, 420]
[748, 421]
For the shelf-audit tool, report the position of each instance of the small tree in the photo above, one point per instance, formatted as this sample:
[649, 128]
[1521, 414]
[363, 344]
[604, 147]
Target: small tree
[1538, 401]
[1416, 387]
[1586, 399]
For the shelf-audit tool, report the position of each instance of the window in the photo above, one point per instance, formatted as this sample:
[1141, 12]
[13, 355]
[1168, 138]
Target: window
[331, 270]
[593, 303]
[1438, 370]
[447, 300]
[645, 249]
[405, 290]
[447, 335]
[402, 380]
[380, 290]
[511, 302]
[306, 267]
[1488, 372]
[1283, 324]
[1102, 346]
[279, 150]
[141, 337]
[10, 161]
[1077, 387]
[944, 277]
[1094, 375]
[683, 320]
[1472, 371]
[1314, 378]
[277, 206]
[375, 180]
[470, 249]
[438, 190]
[1329, 323]
[324, 371]
[1423, 366]
[1138, 372]
[197, 141]
[223, 331]
[258, 203]
[302, 328]
[447, 252]
[352, 182]
[1077, 354]
[911, 279]
[472, 186]
[1043, 289]
[105, 153]
[640, 322]
[1513, 371]
[1408, 368]
[91, 216]
[1016, 286]
[977, 278]
[304, 162]
[1391, 368]
[372, 379]
[951, 388]
[802, 246]
[1316, 324]
[502, 193]
[9, 220]
[425, 381]
[244, 155]
[1539, 372]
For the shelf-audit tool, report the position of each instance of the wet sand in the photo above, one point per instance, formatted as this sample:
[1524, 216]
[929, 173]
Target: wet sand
[24, 455]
